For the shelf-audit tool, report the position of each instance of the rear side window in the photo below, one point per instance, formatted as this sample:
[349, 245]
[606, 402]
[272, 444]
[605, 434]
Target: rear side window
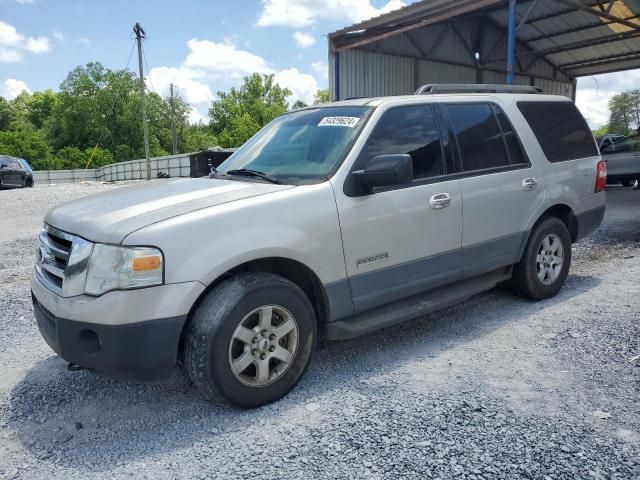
[510, 139]
[560, 129]
[411, 130]
[480, 140]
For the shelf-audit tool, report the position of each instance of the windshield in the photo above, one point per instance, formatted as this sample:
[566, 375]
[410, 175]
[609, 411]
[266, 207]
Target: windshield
[301, 146]
[25, 164]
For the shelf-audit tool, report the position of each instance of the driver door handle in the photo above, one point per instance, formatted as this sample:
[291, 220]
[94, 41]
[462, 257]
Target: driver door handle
[440, 200]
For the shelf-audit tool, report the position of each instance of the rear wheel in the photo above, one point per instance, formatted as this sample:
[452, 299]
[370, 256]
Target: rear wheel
[250, 340]
[544, 266]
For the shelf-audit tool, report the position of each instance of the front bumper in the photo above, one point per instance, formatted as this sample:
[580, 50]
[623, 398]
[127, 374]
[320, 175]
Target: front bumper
[130, 334]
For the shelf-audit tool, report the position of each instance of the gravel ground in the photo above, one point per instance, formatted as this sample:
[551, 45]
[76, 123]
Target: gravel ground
[498, 387]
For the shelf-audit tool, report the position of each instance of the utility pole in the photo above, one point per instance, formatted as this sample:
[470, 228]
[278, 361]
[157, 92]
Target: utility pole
[173, 122]
[140, 34]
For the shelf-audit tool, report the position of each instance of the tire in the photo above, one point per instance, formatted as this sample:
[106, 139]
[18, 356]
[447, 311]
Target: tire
[527, 280]
[239, 307]
[628, 183]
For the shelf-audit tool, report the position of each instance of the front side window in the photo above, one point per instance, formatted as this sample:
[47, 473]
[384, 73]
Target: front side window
[408, 130]
[562, 132]
[480, 141]
[300, 147]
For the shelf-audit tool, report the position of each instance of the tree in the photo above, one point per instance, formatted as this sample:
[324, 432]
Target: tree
[29, 145]
[624, 112]
[298, 104]
[321, 96]
[198, 138]
[240, 113]
[6, 114]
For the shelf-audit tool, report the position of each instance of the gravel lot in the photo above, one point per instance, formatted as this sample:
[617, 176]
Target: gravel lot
[498, 387]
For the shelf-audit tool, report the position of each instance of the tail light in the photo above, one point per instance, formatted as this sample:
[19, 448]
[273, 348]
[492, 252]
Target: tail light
[601, 176]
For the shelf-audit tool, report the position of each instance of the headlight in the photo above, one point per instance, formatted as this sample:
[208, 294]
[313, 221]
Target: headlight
[118, 268]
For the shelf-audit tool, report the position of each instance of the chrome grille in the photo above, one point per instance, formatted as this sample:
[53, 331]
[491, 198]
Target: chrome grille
[62, 260]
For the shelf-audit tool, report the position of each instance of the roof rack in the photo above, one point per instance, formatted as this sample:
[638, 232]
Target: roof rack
[474, 88]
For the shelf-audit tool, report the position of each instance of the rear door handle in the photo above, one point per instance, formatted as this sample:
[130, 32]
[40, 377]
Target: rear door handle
[440, 200]
[529, 184]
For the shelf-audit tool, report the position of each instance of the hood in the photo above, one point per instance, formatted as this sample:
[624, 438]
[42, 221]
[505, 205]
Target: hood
[110, 216]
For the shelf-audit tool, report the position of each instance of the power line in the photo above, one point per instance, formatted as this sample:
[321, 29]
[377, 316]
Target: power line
[144, 55]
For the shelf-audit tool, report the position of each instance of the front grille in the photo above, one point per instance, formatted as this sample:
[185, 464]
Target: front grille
[62, 261]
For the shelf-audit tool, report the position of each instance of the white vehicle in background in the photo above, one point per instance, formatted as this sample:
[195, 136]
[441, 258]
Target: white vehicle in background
[334, 220]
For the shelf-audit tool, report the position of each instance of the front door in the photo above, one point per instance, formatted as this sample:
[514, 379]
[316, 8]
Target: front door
[404, 240]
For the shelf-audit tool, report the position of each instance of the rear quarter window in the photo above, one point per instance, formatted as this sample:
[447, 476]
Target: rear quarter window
[560, 129]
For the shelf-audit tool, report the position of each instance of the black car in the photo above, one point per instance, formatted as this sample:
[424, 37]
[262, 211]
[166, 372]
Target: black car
[15, 172]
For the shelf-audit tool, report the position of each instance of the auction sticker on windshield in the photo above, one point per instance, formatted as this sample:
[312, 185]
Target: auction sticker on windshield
[339, 122]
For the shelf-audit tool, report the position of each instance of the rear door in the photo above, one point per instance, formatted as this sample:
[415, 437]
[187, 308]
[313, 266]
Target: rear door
[403, 240]
[623, 157]
[500, 187]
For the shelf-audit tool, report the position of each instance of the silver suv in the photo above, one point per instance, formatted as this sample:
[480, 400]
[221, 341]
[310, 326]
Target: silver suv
[333, 220]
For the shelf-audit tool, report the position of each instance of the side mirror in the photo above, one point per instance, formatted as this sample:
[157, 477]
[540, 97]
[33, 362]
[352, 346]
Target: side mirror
[385, 171]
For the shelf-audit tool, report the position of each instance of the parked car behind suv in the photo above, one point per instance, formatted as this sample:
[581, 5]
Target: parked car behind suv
[336, 220]
[15, 172]
[623, 160]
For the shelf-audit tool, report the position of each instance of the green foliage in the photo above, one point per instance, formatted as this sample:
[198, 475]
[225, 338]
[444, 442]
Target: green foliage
[6, 114]
[95, 119]
[603, 130]
[624, 112]
[198, 139]
[29, 145]
[240, 113]
[298, 104]
[321, 96]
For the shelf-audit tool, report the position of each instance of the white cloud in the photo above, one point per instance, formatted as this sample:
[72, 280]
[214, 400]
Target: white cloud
[11, 88]
[25, 2]
[187, 81]
[38, 45]
[59, 36]
[322, 68]
[196, 116]
[224, 58]
[303, 40]
[300, 13]
[593, 94]
[84, 41]
[208, 60]
[13, 44]
[302, 85]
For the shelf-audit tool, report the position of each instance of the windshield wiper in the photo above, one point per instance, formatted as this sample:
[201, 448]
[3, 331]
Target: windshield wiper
[254, 173]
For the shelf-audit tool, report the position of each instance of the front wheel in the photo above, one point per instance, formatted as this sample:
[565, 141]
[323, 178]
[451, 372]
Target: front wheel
[250, 340]
[544, 266]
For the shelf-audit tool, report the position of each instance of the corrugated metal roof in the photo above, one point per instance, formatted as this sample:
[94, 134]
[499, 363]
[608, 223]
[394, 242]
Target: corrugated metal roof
[576, 37]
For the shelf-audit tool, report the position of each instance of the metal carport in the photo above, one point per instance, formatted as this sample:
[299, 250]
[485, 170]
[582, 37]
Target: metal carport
[466, 41]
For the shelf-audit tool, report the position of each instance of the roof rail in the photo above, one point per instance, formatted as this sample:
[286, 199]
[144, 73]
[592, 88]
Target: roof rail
[433, 88]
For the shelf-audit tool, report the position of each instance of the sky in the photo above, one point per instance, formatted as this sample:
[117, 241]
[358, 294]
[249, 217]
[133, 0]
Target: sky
[203, 46]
